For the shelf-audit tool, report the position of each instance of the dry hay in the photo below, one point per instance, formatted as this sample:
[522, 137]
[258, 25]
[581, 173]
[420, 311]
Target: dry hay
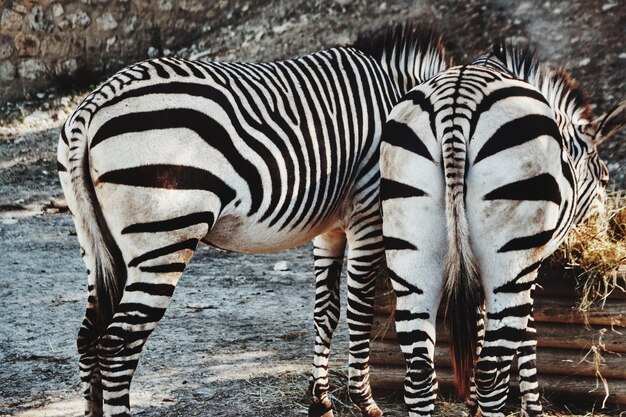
[290, 388]
[596, 251]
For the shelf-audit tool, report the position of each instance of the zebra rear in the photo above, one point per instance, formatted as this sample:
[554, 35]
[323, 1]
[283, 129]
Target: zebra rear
[482, 179]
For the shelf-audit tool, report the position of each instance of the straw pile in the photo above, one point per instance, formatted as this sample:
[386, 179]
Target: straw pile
[596, 251]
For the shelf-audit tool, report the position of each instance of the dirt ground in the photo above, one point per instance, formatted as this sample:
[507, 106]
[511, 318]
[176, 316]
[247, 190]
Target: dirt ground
[238, 338]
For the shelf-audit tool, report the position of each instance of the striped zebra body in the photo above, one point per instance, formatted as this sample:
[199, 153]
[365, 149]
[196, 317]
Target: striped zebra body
[484, 170]
[249, 157]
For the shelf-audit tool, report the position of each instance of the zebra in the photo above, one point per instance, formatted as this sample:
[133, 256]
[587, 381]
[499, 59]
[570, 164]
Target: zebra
[484, 170]
[247, 157]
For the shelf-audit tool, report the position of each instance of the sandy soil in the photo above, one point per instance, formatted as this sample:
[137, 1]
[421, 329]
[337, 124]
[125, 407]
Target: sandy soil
[238, 337]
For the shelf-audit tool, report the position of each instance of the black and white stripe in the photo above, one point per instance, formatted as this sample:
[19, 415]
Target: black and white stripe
[485, 168]
[249, 157]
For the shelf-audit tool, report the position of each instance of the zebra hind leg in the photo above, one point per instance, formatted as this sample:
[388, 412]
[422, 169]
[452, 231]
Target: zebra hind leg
[86, 343]
[328, 252]
[415, 325]
[151, 280]
[526, 360]
[505, 329]
[472, 402]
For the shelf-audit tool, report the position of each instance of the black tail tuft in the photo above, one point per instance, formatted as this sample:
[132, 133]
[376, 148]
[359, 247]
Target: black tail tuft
[463, 300]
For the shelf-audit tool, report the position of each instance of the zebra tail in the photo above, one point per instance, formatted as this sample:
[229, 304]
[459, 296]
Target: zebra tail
[463, 292]
[97, 241]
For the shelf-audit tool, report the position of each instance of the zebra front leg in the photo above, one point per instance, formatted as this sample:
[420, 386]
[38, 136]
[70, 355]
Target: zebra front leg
[328, 251]
[365, 253]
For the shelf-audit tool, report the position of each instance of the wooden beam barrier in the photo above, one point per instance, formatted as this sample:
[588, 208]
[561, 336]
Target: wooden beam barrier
[566, 338]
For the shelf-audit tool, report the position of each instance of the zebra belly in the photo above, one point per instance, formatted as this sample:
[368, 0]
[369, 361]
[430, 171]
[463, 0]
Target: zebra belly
[246, 235]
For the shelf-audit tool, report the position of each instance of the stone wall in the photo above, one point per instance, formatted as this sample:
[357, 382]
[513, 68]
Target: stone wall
[44, 41]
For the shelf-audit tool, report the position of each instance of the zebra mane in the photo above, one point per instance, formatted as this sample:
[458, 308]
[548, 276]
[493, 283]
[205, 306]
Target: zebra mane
[563, 93]
[409, 51]
[519, 60]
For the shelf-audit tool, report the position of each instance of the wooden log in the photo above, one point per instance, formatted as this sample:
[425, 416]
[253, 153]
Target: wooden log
[568, 388]
[579, 336]
[562, 310]
[549, 360]
[392, 378]
[387, 353]
[556, 335]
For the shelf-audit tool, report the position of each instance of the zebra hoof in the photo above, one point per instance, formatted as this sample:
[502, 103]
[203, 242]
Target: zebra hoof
[94, 413]
[321, 409]
[374, 412]
[529, 413]
[472, 408]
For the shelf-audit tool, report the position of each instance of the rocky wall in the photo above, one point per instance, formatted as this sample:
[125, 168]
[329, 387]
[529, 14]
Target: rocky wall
[45, 42]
